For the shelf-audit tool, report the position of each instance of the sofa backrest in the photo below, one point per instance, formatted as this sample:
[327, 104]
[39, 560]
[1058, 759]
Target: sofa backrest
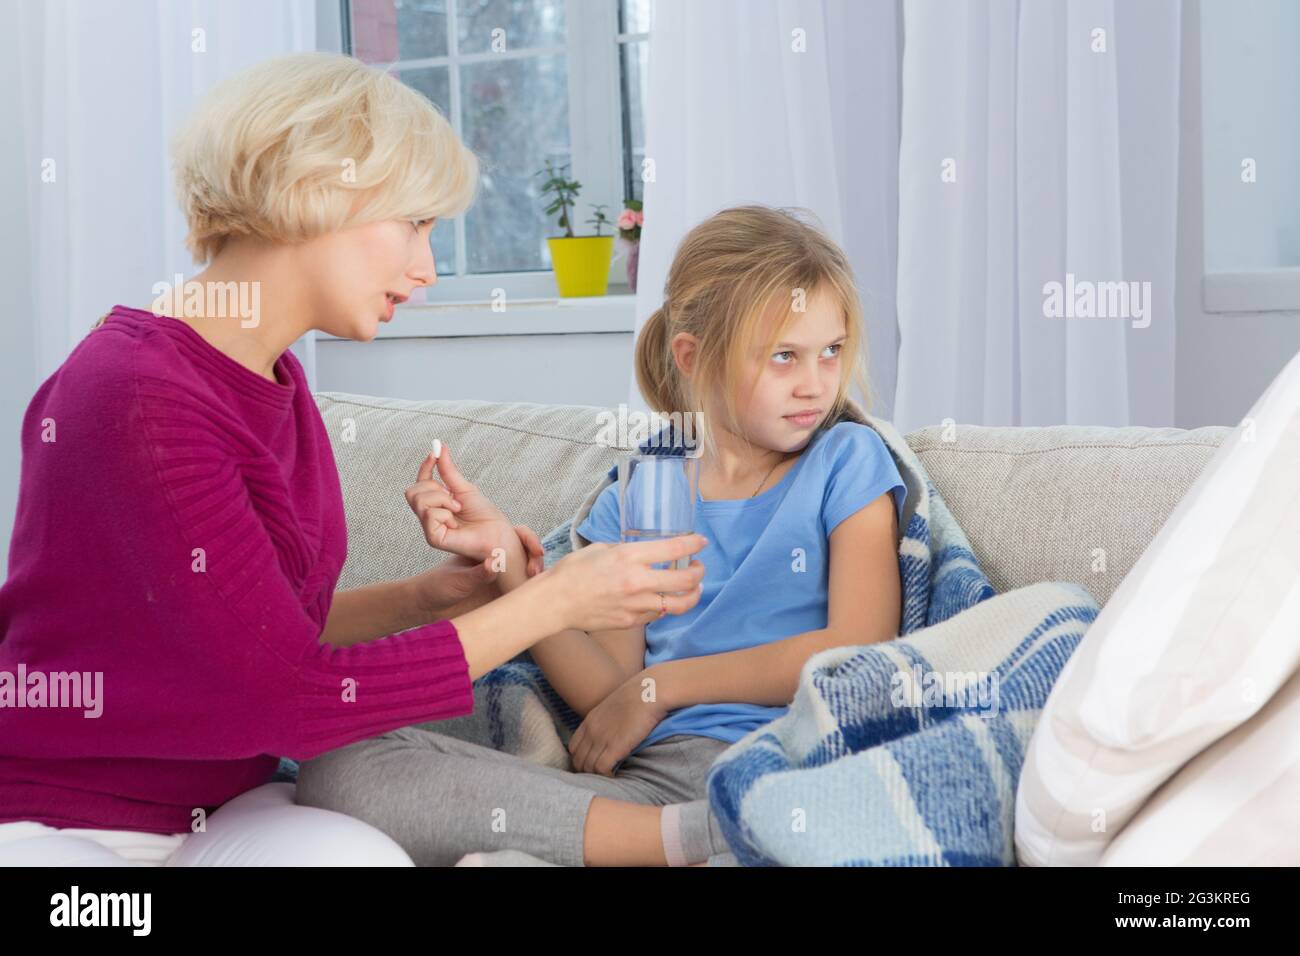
[1068, 503]
[1062, 502]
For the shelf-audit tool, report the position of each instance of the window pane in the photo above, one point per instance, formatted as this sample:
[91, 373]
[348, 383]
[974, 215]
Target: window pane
[516, 116]
[636, 16]
[525, 23]
[384, 31]
[443, 240]
[1251, 134]
[435, 84]
[634, 57]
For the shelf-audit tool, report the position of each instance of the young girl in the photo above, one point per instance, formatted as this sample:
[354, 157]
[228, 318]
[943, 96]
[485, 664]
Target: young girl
[761, 331]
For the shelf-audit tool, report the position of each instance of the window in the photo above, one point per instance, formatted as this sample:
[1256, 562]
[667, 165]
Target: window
[1250, 153]
[522, 82]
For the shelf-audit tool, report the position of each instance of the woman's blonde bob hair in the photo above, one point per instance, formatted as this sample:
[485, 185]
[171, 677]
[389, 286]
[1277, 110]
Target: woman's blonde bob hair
[729, 274]
[305, 144]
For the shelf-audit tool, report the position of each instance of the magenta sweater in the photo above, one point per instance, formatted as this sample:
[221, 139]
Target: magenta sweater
[182, 535]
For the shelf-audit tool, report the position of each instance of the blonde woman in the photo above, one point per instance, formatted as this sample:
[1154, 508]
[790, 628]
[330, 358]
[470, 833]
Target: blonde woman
[180, 528]
[761, 332]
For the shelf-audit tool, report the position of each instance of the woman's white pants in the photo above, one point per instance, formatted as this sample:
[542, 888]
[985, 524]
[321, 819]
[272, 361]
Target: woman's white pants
[262, 827]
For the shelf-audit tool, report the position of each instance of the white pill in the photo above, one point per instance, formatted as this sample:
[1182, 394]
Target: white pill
[437, 448]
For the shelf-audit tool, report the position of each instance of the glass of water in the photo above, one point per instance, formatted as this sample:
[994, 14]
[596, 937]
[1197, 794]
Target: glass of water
[656, 499]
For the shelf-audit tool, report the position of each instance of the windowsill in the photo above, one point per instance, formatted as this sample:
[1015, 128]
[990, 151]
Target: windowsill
[1267, 290]
[615, 313]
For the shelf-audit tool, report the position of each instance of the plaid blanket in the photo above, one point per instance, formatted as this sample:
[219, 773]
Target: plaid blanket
[906, 753]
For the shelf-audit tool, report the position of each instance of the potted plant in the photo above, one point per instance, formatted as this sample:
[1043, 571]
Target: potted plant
[629, 232]
[581, 263]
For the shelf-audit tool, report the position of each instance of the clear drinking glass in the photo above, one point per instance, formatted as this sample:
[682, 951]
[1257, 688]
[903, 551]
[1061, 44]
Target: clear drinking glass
[656, 499]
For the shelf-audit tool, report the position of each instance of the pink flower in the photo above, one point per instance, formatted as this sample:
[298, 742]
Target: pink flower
[626, 219]
[640, 219]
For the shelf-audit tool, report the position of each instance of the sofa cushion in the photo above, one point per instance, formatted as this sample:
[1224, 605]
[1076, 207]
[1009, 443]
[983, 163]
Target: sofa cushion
[1063, 502]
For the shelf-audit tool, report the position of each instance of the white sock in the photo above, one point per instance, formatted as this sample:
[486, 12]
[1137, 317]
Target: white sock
[690, 833]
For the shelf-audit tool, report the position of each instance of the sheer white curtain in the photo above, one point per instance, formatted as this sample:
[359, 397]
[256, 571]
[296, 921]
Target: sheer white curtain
[103, 87]
[1039, 142]
[1064, 163]
[782, 102]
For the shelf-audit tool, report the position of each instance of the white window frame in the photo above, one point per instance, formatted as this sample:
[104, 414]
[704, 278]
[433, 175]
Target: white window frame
[626, 39]
[595, 141]
[1263, 290]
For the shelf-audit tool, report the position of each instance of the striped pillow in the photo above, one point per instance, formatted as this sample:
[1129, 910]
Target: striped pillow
[1233, 805]
[1199, 635]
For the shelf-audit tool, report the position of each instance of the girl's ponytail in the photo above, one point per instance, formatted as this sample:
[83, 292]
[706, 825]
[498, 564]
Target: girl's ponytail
[656, 372]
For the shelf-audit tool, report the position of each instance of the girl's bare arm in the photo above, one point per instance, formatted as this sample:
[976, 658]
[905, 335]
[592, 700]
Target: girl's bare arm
[580, 668]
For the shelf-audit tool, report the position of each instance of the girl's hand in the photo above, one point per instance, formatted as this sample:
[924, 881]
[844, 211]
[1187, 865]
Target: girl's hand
[532, 549]
[456, 516]
[460, 578]
[615, 726]
[608, 587]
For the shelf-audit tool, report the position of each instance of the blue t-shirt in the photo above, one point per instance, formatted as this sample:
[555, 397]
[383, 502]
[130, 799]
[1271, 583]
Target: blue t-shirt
[766, 567]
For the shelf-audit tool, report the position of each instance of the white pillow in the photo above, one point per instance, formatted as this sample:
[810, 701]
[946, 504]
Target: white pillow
[1198, 636]
[1234, 804]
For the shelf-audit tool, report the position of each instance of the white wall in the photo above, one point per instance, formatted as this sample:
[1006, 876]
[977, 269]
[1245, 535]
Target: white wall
[576, 369]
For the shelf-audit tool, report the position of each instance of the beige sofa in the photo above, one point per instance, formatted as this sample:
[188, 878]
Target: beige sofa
[1061, 503]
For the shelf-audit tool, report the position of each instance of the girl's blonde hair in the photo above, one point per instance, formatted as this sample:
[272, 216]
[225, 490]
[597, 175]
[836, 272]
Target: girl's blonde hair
[729, 272]
[305, 144]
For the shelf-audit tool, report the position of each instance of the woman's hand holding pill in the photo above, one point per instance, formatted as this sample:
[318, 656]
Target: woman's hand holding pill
[457, 517]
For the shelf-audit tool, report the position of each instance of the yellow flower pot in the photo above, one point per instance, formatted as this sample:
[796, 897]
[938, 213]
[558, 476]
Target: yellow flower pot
[582, 264]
